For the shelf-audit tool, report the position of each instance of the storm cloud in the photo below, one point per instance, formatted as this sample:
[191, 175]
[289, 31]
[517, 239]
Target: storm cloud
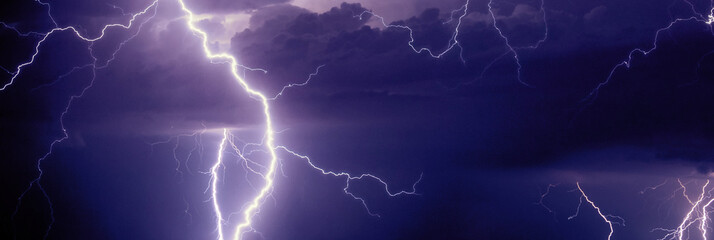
[485, 143]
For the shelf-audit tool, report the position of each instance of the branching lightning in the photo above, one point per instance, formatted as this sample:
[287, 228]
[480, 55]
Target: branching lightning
[268, 176]
[198, 146]
[350, 177]
[20, 67]
[697, 213]
[291, 85]
[627, 62]
[696, 217]
[269, 132]
[95, 66]
[511, 48]
[606, 217]
[214, 182]
[454, 43]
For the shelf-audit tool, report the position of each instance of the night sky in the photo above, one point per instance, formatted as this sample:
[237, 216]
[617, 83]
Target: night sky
[490, 131]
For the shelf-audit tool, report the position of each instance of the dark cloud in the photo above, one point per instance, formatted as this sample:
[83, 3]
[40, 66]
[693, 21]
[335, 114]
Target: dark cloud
[484, 142]
[340, 39]
[390, 10]
[365, 60]
[282, 13]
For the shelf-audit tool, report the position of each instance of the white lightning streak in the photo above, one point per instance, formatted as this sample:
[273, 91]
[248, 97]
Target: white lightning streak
[214, 182]
[681, 228]
[269, 132]
[694, 214]
[268, 140]
[599, 212]
[349, 177]
[510, 47]
[454, 41]
[703, 226]
[317, 71]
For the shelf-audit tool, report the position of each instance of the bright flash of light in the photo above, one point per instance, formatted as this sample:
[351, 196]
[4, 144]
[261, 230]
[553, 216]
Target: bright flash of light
[696, 213]
[269, 132]
[268, 142]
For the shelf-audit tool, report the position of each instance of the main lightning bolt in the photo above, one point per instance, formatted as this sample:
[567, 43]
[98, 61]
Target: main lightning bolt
[269, 142]
[269, 132]
[214, 181]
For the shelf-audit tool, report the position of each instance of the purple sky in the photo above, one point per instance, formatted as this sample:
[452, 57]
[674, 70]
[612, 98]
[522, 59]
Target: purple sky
[488, 125]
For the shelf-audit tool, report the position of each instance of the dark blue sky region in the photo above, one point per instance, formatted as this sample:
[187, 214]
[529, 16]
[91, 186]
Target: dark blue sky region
[616, 96]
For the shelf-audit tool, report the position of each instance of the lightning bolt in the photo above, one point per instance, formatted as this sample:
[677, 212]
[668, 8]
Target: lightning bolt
[214, 181]
[269, 132]
[23, 34]
[454, 43]
[198, 146]
[49, 11]
[627, 62]
[350, 177]
[703, 226]
[697, 213]
[511, 48]
[291, 85]
[268, 177]
[695, 219]
[95, 66]
[76, 32]
[605, 217]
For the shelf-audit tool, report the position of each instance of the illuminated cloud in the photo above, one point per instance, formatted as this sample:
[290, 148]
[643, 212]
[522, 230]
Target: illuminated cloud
[148, 132]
